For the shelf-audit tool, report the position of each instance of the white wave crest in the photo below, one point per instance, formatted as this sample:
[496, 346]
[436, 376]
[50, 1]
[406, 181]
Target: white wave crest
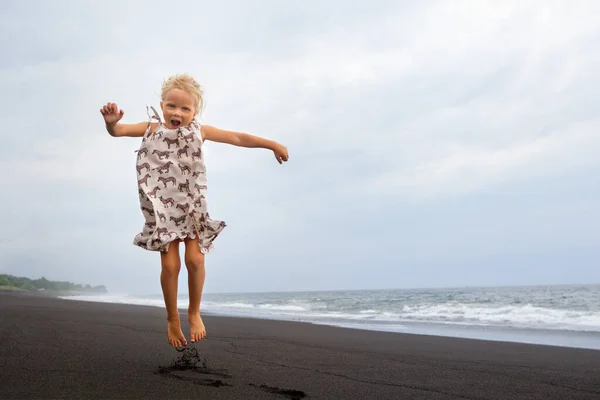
[457, 313]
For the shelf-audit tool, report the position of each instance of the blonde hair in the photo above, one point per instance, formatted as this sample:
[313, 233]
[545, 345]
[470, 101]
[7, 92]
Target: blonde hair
[189, 84]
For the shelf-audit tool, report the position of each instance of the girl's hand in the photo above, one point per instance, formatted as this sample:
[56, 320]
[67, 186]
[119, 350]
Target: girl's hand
[281, 153]
[111, 113]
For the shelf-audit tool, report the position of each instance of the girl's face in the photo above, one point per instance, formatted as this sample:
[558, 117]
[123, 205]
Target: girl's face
[179, 108]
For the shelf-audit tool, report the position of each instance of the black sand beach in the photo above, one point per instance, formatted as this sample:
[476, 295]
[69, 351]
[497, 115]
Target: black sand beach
[52, 348]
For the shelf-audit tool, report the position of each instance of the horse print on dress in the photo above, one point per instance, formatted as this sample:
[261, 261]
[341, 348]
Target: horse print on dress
[183, 151]
[170, 142]
[151, 224]
[162, 154]
[197, 154]
[198, 201]
[167, 201]
[184, 169]
[164, 169]
[183, 207]
[184, 187]
[199, 187]
[161, 231]
[144, 180]
[153, 192]
[189, 136]
[178, 220]
[167, 180]
[161, 216]
[145, 166]
[142, 151]
[158, 134]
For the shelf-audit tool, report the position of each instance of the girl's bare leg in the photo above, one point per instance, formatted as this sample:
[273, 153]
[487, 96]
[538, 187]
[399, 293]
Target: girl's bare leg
[171, 264]
[194, 261]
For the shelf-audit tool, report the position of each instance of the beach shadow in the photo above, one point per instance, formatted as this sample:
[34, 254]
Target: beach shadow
[189, 365]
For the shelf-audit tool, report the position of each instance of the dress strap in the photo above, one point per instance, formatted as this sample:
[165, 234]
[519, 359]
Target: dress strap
[150, 117]
[155, 116]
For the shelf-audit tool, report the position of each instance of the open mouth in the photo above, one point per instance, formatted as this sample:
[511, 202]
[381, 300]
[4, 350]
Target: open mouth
[175, 123]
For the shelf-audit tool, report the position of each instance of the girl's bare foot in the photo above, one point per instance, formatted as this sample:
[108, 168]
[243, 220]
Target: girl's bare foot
[197, 329]
[176, 337]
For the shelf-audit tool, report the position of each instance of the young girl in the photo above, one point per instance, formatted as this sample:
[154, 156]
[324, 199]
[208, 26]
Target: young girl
[172, 190]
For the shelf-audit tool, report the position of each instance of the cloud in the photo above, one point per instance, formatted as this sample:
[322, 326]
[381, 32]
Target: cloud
[472, 168]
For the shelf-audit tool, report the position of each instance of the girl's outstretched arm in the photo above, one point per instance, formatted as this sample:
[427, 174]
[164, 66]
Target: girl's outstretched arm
[244, 140]
[130, 130]
[112, 115]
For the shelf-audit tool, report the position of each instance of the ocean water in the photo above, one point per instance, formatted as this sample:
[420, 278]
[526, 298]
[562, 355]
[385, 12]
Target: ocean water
[567, 315]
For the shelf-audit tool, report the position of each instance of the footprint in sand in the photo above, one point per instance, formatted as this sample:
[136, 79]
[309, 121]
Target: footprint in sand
[190, 364]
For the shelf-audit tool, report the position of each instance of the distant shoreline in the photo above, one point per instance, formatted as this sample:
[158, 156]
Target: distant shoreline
[47, 287]
[47, 292]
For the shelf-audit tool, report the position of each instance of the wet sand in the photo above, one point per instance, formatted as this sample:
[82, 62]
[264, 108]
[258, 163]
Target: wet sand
[53, 348]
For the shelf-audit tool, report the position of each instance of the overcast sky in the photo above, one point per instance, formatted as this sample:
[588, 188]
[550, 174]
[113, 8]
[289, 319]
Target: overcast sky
[432, 143]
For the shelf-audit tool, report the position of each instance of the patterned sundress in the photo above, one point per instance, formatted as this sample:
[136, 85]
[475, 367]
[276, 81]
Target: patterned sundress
[172, 188]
